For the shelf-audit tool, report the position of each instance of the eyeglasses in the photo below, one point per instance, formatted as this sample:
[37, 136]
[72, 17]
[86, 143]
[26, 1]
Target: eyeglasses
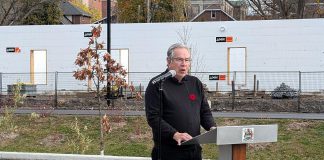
[179, 60]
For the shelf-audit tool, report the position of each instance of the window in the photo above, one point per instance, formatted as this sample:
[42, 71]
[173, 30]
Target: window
[213, 14]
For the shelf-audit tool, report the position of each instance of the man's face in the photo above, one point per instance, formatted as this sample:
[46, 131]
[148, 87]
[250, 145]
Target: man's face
[180, 62]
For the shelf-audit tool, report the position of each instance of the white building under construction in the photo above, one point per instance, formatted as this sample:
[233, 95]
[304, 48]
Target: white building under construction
[219, 47]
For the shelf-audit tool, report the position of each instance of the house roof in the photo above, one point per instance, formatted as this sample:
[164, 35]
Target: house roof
[207, 10]
[71, 10]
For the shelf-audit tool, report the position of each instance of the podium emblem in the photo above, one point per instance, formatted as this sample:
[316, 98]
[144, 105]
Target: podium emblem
[247, 134]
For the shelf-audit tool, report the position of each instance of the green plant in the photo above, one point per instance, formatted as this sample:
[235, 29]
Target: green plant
[7, 123]
[79, 142]
[34, 116]
[18, 98]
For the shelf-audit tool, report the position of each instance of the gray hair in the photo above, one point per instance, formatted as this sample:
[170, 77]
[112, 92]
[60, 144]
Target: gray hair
[171, 49]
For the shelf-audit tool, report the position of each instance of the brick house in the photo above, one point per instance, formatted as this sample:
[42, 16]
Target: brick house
[73, 14]
[215, 12]
[218, 10]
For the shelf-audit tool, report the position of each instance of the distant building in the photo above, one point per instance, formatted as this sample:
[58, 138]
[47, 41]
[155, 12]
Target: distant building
[92, 4]
[240, 9]
[218, 10]
[100, 5]
[214, 13]
[73, 14]
[104, 8]
[113, 10]
[113, 5]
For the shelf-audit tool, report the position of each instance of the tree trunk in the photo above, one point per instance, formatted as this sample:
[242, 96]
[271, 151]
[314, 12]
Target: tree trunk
[300, 9]
[102, 151]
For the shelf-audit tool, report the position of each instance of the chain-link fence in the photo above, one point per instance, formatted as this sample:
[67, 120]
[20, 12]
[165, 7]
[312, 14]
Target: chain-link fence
[248, 91]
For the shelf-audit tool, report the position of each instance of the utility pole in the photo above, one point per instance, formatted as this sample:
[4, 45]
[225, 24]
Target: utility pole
[138, 13]
[102, 146]
[108, 46]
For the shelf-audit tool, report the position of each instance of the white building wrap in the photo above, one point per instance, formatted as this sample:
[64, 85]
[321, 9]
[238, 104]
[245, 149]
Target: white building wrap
[273, 45]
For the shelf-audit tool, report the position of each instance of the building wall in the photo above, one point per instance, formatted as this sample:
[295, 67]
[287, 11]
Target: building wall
[113, 5]
[274, 45]
[95, 4]
[277, 41]
[226, 7]
[198, 6]
[80, 20]
[104, 8]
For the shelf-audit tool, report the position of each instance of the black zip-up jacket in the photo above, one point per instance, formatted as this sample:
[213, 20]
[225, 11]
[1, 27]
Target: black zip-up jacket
[185, 108]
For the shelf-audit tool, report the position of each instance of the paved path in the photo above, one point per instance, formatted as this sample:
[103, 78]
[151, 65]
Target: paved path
[270, 115]
[55, 156]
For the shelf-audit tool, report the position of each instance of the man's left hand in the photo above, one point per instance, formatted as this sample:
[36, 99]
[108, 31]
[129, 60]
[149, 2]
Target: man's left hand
[212, 128]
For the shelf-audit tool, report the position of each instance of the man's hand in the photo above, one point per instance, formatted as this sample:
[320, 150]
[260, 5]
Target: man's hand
[179, 137]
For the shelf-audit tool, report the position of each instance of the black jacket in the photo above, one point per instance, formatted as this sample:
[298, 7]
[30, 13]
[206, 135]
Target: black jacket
[185, 108]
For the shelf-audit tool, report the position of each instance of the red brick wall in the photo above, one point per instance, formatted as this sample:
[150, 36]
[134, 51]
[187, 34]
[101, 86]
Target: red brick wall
[95, 4]
[104, 8]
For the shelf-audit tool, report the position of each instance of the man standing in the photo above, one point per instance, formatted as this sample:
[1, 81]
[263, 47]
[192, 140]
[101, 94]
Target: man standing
[184, 109]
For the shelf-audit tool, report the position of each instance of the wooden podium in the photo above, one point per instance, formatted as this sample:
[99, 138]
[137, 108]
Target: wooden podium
[232, 140]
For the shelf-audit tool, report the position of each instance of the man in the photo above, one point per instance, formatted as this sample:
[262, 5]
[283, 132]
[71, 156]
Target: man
[184, 109]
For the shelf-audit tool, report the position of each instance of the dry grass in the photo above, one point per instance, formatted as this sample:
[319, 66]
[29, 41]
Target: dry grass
[297, 139]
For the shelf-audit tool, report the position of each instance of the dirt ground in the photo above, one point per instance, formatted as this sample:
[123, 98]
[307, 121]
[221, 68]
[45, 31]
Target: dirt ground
[263, 103]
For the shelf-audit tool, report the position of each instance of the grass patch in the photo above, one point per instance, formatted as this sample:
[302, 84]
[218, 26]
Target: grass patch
[297, 139]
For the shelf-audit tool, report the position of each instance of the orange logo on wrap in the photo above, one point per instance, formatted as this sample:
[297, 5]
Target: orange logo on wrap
[222, 77]
[17, 50]
[229, 39]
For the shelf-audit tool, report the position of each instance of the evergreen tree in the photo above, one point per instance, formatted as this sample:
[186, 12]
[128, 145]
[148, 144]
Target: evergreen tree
[50, 13]
[132, 11]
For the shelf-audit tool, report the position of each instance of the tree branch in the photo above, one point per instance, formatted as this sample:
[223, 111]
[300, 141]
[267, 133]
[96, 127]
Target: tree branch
[6, 13]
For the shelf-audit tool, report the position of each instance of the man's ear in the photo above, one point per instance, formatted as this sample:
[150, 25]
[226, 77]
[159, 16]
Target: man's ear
[168, 61]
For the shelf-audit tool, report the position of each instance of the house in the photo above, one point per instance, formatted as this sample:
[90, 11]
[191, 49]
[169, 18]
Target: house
[99, 5]
[92, 4]
[214, 12]
[73, 14]
[218, 10]
[240, 9]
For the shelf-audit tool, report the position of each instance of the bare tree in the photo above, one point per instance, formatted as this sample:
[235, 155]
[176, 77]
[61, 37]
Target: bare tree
[258, 8]
[184, 36]
[13, 12]
[278, 9]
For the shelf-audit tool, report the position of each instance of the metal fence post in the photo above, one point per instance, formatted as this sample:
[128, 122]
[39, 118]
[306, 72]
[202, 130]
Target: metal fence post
[254, 86]
[55, 96]
[0, 83]
[233, 95]
[299, 93]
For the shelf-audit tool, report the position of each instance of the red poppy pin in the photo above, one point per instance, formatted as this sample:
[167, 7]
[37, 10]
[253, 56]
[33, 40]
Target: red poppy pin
[192, 97]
